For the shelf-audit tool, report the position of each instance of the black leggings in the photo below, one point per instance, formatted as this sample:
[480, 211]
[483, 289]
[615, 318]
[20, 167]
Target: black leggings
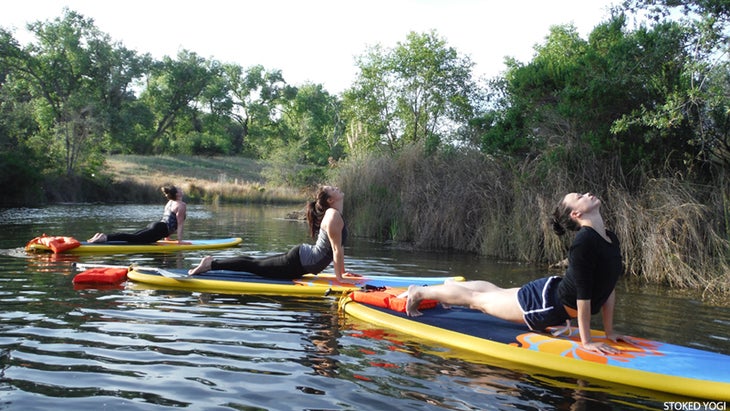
[284, 266]
[154, 231]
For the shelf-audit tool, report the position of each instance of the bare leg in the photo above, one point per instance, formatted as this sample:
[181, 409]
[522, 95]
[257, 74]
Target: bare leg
[475, 285]
[498, 302]
[205, 265]
[448, 293]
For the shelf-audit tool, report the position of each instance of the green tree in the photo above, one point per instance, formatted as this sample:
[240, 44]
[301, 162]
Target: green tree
[19, 166]
[173, 88]
[129, 119]
[421, 90]
[567, 103]
[704, 102]
[77, 80]
[314, 119]
[255, 96]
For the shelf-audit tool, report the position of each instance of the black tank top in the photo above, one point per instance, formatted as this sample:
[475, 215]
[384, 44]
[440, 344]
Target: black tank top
[170, 219]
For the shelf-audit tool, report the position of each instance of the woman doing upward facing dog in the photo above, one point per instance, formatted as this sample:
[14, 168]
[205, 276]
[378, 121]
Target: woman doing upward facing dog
[324, 216]
[172, 222]
[594, 266]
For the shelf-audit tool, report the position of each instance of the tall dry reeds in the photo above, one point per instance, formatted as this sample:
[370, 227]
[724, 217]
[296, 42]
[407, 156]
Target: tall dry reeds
[437, 202]
[669, 237]
[242, 193]
[470, 202]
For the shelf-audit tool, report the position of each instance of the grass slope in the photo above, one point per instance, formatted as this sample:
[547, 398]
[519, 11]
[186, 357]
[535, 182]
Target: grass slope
[206, 179]
[186, 168]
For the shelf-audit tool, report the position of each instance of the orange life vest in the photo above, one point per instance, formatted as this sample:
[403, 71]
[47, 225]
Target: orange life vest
[57, 244]
[101, 275]
[388, 298]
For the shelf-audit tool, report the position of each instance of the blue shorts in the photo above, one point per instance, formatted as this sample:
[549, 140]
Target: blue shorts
[540, 303]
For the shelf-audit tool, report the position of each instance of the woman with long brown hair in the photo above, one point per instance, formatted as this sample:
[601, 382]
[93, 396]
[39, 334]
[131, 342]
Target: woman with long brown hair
[326, 225]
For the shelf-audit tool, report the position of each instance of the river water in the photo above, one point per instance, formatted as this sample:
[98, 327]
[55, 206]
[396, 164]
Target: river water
[137, 348]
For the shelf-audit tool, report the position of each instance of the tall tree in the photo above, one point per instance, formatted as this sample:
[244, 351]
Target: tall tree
[704, 103]
[256, 95]
[78, 79]
[173, 88]
[314, 119]
[577, 101]
[421, 90]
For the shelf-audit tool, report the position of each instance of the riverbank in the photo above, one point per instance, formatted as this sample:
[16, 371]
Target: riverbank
[136, 178]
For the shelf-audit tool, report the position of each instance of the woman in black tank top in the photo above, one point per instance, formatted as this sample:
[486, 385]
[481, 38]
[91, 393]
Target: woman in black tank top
[172, 222]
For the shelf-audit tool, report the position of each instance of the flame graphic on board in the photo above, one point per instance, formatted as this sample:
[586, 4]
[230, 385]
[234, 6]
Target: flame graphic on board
[570, 347]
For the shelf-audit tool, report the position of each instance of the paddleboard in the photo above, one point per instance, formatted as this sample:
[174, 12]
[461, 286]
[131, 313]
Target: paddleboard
[233, 282]
[158, 247]
[643, 363]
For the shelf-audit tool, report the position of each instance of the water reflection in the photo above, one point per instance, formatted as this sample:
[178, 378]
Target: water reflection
[480, 380]
[135, 347]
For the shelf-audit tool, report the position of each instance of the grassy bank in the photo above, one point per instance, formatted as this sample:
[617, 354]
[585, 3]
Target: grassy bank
[206, 179]
[671, 232]
[135, 178]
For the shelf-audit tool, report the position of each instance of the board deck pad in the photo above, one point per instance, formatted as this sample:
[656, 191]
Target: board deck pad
[642, 363]
[160, 246]
[242, 282]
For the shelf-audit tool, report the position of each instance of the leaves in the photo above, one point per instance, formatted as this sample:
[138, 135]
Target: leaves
[418, 90]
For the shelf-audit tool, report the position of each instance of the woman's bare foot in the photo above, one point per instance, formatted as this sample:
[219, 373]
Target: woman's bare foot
[98, 238]
[205, 265]
[414, 299]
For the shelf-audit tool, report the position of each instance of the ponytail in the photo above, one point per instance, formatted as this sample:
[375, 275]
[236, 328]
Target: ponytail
[316, 210]
[170, 192]
[561, 219]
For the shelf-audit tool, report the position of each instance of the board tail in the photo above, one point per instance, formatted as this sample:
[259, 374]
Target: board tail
[390, 298]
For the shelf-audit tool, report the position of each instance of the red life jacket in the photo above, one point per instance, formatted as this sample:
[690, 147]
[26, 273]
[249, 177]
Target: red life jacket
[388, 298]
[101, 275]
[57, 244]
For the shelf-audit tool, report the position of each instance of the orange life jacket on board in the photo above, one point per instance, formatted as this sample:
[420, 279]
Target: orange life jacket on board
[388, 298]
[57, 244]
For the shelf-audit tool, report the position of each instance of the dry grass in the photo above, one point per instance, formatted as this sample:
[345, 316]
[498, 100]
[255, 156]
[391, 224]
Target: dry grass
[473, 203]
[205, 179]
[669, 237]
[195, 170]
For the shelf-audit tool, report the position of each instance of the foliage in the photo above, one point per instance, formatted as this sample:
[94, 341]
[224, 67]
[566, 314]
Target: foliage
[614, 97]
[171, 89]
[72, 78]
[19, 179]
[314, 117]
[285, 167]
[701, 107]
[73, 96]
[254, 97]
[417, 91]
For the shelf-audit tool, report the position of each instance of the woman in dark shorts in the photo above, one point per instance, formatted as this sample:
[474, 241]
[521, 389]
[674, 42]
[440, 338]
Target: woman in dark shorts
[588, 286]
